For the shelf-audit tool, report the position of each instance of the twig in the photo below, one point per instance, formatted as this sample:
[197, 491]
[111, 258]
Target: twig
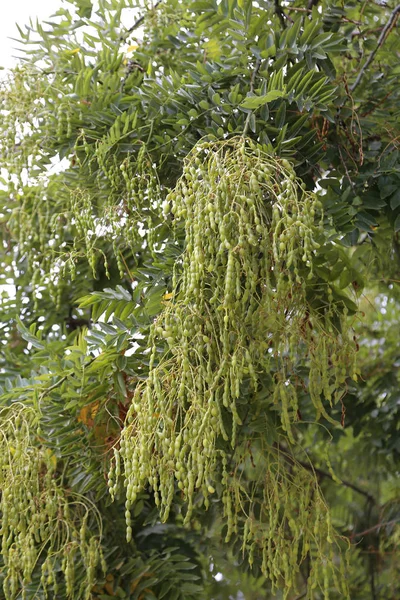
[280, 13]
[348, 484]
[139, 21]
[376, 105]
[57, 384]
[309, 11]
[322, 473]
[346, 169]
[252, 81]
[298, 9]
[366, 32]
[378, 526]
[385, 32]
[54, 386]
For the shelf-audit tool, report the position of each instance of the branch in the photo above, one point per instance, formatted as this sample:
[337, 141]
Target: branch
[53, 387]
[376, 105]
[280, 13]
[378, 526]
[348, 484]
[346, 169]
[298, 9]
[322, 473]
[139, 21]
[342, 18]
[385, 32]
[60, 381]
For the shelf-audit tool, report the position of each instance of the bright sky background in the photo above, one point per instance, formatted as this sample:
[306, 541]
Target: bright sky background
[19, 11]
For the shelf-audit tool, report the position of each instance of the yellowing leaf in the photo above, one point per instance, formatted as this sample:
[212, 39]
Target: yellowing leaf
[132, 48]
[168, 296]
[213, 49]
[74, 51]
[52, 457]
[109, 589]
[88, 413]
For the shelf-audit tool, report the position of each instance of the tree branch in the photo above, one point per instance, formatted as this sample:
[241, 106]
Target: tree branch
[385, 32]
[139, 21]
[53, 387]
[378, 526]
[348, 484]
[322, 473]
[279, 12]
[342, 18]
[376, 105]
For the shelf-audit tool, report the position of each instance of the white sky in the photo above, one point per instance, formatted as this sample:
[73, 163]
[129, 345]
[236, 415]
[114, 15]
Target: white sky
[20, 11]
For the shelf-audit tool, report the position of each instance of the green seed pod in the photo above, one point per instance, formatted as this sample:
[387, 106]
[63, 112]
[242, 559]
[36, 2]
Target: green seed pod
[241, 289]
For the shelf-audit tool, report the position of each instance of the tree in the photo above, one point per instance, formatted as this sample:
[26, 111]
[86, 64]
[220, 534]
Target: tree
[199, 370]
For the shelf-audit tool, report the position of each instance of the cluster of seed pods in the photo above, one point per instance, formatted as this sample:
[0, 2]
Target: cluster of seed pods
[108, 200]
[282, 520]
[240, 309]
[44, 529]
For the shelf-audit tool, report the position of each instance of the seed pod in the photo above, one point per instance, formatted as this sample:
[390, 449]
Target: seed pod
[251, 234]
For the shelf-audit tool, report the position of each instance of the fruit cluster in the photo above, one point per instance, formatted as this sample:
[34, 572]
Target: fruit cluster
[240, 309]
[44, 528]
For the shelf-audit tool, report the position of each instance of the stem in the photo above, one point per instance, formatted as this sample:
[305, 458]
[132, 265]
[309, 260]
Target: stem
[53, 387]
[322, 473]
[385, 32]
[279, 12]
[372, 577]
[378, 526]
[139, 21]
[346, 169]
[57, 384]
[348, 484]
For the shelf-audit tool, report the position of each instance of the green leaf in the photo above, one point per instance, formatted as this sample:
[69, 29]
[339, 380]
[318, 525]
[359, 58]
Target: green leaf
[293, 32]
[345, 278]
[281, 115]
[271, 51]
[388, 189]
[395, 199]
[254, 102]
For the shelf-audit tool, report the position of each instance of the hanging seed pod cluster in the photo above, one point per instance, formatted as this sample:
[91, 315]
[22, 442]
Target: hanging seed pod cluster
[105, 203]
[240, 309]
[43, 529]
[282, 520]
[134, 198]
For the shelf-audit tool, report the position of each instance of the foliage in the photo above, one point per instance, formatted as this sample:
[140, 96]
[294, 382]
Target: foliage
[200, 216]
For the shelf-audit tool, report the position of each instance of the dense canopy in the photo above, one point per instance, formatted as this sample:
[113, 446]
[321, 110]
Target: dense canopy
[200, 268]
